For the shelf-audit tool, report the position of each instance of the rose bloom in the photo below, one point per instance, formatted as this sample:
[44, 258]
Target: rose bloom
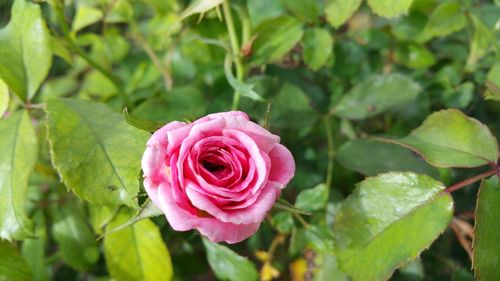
[220, 174]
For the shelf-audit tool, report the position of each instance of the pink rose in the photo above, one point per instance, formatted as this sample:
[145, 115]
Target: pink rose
[220, 174]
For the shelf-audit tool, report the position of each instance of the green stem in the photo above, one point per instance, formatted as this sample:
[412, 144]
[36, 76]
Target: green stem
[235, 48]
[471, 180]
[331, 150]
[301, 220]
[75, 48]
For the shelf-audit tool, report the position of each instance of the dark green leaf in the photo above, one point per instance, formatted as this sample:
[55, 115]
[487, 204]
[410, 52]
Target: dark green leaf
[105, 169]
[18, 152]
[291, 108]
[387, 221]
[371, 157]
[25, 53]
[375, 95]
[448, 138]
[486, 242]
[147, 257]
[228, 265]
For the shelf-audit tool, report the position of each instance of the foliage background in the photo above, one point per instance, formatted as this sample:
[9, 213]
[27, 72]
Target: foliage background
[336, 73]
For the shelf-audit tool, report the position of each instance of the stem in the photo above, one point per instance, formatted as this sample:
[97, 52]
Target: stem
[235, 48]
[165, 72]
[471, 180]
[331, 151]
[65, 29]
[301, 220]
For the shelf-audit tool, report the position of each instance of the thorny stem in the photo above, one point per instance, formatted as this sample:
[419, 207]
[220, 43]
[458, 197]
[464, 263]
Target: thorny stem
[472, 180]
[235, 48]
[65, 29]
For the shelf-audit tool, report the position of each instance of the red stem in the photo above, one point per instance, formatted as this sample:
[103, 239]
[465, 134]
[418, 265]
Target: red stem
[472, 180]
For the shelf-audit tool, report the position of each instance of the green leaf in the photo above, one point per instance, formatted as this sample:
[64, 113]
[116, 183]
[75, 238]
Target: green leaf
[370, 158]
[493, 83]
[228, 265]
[18, 152]
[283, 222]
[146, 125]
[313, 199]
[448, 138]
[122, 12]
[275, 39]
[415, 56]
[291, 109]
[446, 19]
[318, 47]
[390, 8]
[326, 267]
[481, 42]
[376, 95]
[200, 7]
[147, 210]
[12, 265]
[85, 16]
[147, 257]
[33, 250]
[339, 11]
[95, 151]
[306, 11]
[260, 11]
[76, 242]
[4, 97]
[486, 242]
[387, 221]
[25, 54]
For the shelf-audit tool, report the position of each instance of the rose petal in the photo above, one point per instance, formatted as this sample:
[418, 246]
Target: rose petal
[215, 230]
[282, 165]
[252, 214]
[160, 135]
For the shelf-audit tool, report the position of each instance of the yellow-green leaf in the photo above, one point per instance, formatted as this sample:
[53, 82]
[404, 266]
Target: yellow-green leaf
[136, 252]
[25, 53]
[18, 151]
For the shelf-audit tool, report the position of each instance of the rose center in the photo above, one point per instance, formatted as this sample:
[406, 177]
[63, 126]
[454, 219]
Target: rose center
[217, 169]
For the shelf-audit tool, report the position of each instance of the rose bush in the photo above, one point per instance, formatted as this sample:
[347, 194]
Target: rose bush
[220, 174]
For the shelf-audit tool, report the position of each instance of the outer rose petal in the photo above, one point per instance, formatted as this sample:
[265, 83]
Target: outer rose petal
[153, 158]
[282, 165]
[214, 229]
